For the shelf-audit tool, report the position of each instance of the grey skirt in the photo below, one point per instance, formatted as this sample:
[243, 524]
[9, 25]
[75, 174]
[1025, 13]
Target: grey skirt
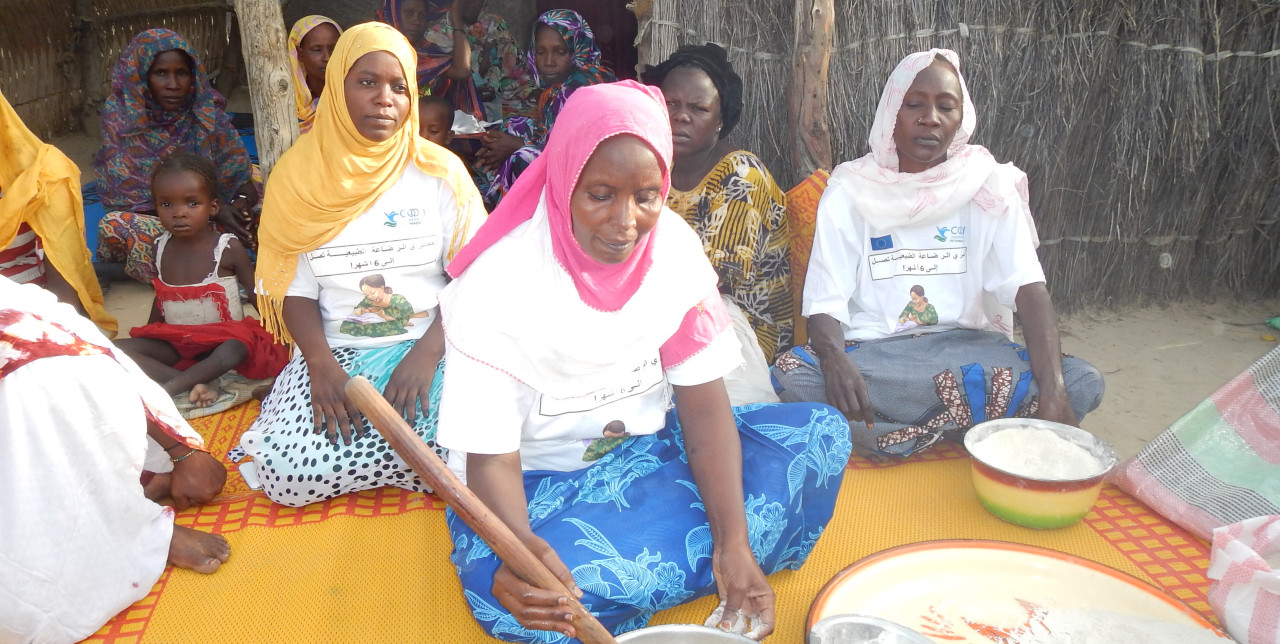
[923, 386]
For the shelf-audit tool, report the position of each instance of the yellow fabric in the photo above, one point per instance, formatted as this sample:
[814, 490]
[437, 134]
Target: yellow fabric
[802, 214]
[302, 99]
[332, 174]
[739, 212]
[42, 188]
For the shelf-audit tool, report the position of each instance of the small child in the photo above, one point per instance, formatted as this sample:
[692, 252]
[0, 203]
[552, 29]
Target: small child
[435, 120]
[198, 330]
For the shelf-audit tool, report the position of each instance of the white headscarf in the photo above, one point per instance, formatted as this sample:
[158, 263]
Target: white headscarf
[886, 198]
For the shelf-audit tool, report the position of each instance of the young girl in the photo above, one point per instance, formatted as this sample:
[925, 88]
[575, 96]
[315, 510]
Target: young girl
[198, 330]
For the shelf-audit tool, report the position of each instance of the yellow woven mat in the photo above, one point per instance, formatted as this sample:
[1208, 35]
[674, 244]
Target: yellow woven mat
[374, 566]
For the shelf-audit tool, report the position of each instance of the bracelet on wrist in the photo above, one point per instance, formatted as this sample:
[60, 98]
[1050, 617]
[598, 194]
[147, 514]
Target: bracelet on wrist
[184, 456]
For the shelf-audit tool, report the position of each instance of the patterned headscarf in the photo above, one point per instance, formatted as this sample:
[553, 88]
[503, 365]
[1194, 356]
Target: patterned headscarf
[389, 12]
[586, 57]
[302, 98]
[137, 132]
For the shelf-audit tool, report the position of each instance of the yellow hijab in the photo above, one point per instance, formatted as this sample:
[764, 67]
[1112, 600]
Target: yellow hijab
[42, 188]
[332, 174]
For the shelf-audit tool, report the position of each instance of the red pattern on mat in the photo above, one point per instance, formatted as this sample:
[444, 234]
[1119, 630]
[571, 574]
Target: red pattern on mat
[1172, 558]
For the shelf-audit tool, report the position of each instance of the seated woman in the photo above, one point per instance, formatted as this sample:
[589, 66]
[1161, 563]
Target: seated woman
[639, 507]
[42, 220]
[378, 212]
[563, 57]
[161, 104]
[82, 544]
[925, 212]
[499, 69]
[311, 44]
[728, 196]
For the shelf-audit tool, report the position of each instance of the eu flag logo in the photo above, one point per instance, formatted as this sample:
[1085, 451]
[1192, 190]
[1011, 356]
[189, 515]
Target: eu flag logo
[882, 243]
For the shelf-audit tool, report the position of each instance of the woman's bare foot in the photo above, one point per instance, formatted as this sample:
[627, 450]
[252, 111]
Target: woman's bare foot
[198, 551]
[157, 489]
[202, 395]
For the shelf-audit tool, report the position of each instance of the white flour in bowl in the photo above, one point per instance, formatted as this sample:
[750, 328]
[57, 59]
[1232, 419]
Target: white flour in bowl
[1084, 626]
[1037, 453]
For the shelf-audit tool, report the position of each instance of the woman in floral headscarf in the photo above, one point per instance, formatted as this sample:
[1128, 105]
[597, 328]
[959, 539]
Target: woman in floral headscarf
[161, 103]
[311, 43]
[925, 211]
[562, 58]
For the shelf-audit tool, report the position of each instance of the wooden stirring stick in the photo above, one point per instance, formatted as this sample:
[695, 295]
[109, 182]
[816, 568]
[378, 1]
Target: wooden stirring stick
[468, 506]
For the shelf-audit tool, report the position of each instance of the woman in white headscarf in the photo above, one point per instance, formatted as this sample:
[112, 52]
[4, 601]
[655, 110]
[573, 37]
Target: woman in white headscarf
[927, 212]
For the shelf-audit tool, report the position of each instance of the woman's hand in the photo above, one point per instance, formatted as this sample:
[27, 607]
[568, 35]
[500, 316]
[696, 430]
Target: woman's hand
[236, 218]
[847, 390]
[536, 608]
[410, 383]
[1056, 408]
[744, 590]
[332, 412]
[498, 146]
[196, 479]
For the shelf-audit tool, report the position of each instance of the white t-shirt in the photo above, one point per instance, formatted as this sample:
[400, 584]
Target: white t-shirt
[969, 266]
[486, 411]
[377, 281]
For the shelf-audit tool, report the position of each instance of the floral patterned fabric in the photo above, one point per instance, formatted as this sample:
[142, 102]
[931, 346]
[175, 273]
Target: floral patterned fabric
[497, 64]
[433, 61]
[137, 132]
[629, 566]
[740, 214]
[533, 130]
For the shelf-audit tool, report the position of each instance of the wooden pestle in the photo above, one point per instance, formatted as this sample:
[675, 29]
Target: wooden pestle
[468, 506]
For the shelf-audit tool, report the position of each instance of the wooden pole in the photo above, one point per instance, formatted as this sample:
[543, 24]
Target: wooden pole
[807, 102]
[275, 119]
[468, 506]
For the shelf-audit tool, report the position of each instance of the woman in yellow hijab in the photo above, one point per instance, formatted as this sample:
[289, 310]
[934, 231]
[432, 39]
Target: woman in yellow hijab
[41, 208]
[361, 216]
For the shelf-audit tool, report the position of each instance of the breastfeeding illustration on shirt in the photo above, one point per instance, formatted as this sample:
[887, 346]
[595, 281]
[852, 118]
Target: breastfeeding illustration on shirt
[381, 313]
[919, 311]
[615, 433]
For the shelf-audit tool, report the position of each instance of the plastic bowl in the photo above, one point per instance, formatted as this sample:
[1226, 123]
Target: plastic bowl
[1034, 502]
[681, 634]
[857, 629]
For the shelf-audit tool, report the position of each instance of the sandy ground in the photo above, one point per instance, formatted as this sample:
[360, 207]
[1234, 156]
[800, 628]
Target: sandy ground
[1159, 362]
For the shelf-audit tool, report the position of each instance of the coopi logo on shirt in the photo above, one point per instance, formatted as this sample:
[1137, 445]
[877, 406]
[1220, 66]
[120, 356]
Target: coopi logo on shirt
[410, 216]
[950, 234]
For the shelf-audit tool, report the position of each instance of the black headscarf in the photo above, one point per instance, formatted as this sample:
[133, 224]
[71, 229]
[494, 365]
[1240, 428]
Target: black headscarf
[714, 60]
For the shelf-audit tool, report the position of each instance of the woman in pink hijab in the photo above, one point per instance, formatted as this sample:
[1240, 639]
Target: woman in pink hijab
[583, 400]
[928, 213]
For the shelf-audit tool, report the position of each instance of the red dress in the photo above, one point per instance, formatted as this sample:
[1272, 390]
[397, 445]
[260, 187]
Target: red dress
[199, 317]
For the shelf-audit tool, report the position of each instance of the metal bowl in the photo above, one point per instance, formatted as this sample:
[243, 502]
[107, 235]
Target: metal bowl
[1037, 502]
[681, 634]
[857, 629]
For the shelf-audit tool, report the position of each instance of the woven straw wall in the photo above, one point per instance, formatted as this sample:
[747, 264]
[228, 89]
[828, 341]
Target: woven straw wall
[1150, 130]
[56, 55]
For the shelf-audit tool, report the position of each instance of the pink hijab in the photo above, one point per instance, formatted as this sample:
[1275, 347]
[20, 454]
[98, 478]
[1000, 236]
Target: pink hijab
[555, 173]
[886, 198]
[527, 300]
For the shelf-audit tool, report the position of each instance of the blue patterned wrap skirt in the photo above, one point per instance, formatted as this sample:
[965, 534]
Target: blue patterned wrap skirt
[632, 528]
